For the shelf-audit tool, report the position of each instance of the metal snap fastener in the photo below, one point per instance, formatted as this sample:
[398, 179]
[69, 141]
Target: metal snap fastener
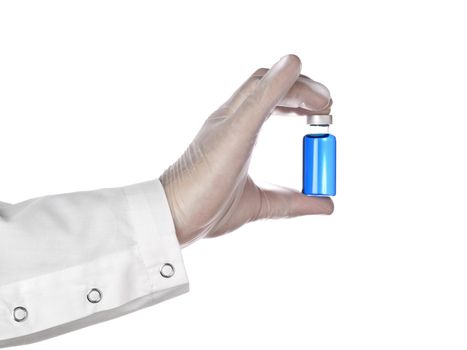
[20, 314]
[94, 296]
[167, 270]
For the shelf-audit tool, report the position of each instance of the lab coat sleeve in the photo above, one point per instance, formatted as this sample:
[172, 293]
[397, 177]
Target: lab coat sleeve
[71, 260]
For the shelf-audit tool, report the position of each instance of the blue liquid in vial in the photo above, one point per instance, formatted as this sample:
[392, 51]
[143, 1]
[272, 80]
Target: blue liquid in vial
[319, 165]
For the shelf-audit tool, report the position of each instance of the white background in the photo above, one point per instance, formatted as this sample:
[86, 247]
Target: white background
[108, 93]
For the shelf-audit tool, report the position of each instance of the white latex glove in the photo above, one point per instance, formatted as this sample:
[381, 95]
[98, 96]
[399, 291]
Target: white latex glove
[209, 190]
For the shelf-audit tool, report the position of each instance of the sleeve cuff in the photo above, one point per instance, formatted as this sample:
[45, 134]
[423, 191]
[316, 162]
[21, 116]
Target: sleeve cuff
[148, 270]
[155, 233]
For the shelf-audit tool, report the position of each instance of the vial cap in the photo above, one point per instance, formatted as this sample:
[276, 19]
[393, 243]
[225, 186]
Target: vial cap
[319, 119]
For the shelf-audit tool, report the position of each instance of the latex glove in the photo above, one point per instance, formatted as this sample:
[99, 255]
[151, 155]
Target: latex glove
[209, 190]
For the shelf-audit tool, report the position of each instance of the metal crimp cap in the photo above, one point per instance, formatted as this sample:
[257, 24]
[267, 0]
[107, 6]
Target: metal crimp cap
[319, 119]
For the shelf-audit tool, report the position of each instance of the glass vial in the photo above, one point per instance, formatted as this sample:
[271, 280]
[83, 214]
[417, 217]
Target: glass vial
[319, 158]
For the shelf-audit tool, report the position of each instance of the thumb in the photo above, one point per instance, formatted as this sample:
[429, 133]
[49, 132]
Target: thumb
[282, 202]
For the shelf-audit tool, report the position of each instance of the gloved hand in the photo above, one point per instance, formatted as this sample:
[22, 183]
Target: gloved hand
[209, 190]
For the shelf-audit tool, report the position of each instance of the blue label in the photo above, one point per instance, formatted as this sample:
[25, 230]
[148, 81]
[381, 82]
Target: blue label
[319, 165]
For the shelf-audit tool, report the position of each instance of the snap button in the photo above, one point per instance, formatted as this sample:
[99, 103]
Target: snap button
[94, 296]
[167, 270]
[20, 314]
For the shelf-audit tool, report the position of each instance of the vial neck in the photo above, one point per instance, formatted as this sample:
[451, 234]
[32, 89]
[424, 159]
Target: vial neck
[319, 129]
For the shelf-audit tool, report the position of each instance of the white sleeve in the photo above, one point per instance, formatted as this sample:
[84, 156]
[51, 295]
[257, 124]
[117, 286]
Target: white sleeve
[71, 260]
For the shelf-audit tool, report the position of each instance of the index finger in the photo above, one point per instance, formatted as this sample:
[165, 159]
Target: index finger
[269, 91]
